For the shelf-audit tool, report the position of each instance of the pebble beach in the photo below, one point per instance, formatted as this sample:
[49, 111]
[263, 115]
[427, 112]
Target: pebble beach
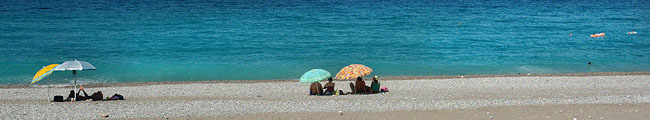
[443, 59]
[449, 98]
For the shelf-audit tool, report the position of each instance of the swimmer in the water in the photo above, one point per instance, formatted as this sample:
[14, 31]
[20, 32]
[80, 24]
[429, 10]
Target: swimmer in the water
[633, 32]
[598, 35]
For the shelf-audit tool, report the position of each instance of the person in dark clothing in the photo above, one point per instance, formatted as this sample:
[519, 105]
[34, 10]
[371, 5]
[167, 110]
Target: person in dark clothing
[70, 96]
[79, 97]
[95, 96]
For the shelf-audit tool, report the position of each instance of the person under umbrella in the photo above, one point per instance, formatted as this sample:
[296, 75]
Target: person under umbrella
[329, 87]
[74, 66]
[355, 71]
[360, 86]
[315, 89]
[78, 97]
[313, 76]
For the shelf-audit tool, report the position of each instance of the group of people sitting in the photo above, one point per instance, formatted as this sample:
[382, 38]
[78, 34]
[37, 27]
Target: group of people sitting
[360, 87]
[97, 96]
[317, 89]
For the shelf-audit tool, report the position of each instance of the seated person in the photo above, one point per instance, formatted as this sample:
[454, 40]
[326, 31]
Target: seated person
[70, 96]
[329, 87]
[374, 86]
[352, 88]
[316, 89]
[360, 86]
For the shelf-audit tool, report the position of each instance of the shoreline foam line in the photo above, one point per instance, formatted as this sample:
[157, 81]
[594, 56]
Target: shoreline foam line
[120, 84]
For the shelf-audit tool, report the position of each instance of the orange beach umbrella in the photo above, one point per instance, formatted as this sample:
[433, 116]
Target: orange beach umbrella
[353, 71]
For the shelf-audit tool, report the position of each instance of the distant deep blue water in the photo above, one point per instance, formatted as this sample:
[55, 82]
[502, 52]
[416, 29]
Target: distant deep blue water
[141, 40]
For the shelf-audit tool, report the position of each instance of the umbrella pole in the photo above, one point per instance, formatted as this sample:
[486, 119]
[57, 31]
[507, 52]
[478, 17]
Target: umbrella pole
[48, 93]
[74, 74]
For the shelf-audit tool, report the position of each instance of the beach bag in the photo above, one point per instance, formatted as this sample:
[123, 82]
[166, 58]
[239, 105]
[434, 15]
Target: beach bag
[58, 98]
[97, 96]
[117, 97]
[384, 89]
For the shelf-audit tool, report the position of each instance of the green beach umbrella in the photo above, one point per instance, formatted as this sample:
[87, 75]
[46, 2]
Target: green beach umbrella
[315, 75]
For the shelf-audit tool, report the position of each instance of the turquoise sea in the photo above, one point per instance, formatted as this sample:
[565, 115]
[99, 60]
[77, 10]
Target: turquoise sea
[195, 40]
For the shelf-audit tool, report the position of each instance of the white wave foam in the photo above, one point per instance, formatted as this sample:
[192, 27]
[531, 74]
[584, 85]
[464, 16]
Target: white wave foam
[533, 69]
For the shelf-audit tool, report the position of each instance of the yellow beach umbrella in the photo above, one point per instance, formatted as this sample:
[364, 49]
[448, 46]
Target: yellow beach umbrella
[353, 71]
[44, 72]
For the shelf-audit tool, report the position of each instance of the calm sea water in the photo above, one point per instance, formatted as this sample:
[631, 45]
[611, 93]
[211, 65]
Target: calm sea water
[140, 40]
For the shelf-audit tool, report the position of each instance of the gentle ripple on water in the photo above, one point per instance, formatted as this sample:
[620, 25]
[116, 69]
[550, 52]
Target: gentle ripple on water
[223, 40]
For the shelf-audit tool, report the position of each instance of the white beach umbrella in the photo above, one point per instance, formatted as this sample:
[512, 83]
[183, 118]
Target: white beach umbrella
[74, 66]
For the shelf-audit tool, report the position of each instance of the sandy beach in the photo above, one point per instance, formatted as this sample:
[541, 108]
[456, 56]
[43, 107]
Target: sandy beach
[558, 96]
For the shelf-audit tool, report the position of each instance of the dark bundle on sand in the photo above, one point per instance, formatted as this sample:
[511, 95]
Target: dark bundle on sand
[97, 96]
[115, 97]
